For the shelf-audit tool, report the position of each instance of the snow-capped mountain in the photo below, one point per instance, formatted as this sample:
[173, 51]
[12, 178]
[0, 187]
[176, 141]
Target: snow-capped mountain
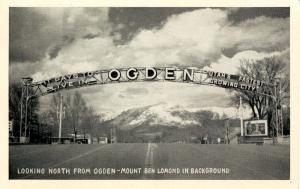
[168, 123]
[229, 112]
[163, 114]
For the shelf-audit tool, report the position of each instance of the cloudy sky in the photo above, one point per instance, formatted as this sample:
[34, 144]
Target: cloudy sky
[47, 42]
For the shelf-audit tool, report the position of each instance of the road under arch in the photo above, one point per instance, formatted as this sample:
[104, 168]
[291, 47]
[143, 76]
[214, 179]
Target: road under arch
[31, 90]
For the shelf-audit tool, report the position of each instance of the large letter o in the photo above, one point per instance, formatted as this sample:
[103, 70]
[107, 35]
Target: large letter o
[114, 75]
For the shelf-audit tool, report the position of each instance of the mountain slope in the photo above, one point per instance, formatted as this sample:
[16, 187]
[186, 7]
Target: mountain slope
[158, 114]
[164, 123]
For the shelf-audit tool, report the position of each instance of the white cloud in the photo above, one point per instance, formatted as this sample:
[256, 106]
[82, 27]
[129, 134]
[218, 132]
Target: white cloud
[231, 65]
[188, 38]
[194, 38]
[75, 22]
[192, 34]
[260, 34]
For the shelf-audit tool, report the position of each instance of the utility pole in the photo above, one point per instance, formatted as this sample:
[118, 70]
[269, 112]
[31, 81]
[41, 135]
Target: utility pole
[280, 113]
[276, 113]
[270, 104]
[23, 110]
[226, 124]
[21, 119]
[276, 109]
[26, 106]
[115, 135]
[241, 116]
[111, 135]
[281, 121]
[60, 118]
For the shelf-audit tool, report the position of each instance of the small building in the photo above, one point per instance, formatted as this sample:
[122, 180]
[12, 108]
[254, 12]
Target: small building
[62, 140]
[82, 138]
[99, 140]
[103, 140]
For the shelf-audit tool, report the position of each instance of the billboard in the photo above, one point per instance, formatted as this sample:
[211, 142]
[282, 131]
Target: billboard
[256, 127]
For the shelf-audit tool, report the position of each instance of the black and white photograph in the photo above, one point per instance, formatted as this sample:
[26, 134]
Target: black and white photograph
[149, 93]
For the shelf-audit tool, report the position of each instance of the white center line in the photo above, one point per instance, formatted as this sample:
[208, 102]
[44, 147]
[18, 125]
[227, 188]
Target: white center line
[149, 160]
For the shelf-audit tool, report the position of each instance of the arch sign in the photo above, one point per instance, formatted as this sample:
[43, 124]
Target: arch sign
[147, 74]
[171, 74]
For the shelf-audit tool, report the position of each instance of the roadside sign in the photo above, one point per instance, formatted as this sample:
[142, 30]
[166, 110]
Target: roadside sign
[256, 127]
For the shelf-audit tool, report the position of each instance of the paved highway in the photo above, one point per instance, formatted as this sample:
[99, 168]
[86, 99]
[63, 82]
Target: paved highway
[149, 161]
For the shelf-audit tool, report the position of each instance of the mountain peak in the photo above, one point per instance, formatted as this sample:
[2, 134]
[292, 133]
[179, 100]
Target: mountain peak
[161, 114]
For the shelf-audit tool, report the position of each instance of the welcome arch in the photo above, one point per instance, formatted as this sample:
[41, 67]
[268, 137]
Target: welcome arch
[31, 90]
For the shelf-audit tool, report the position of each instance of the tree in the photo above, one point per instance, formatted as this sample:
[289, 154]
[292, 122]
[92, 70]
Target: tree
[15, 94]
[204, 116]
[77, 116]
[90, 121]
[45, 126]
[269, 70]
[52, 113]
[77, 109]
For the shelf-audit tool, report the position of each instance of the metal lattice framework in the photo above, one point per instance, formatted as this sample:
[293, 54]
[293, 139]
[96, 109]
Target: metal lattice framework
[33, 90]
